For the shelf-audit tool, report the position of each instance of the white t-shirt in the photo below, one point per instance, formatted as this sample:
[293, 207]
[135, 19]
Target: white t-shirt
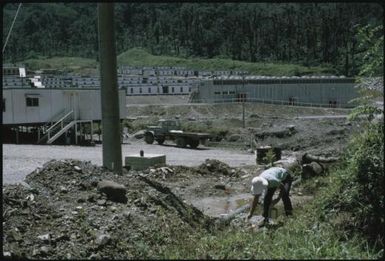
[274, 176]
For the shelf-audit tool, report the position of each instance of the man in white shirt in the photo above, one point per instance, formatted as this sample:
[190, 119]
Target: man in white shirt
[268, 182]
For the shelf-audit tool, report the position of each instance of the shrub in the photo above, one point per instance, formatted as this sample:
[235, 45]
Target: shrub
[270, 157]
[358, 190]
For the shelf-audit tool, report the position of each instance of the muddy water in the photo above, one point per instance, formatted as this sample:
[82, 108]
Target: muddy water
[216, 206]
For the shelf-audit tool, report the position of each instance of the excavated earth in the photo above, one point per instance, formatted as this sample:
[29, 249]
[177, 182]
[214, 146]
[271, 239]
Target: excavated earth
[60, 212]
[323, 131]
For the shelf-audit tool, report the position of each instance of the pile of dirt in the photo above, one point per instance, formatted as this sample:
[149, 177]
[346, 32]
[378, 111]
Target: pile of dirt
[212, 166]
[326, 136]
[75, 210]
[278, 133]
[63, 212]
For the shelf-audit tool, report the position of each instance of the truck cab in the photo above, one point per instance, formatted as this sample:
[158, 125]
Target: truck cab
[169, 125]
[158, 132]
[164, 126]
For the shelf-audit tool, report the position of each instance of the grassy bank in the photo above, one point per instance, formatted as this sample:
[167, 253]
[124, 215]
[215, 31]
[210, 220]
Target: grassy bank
[140, 57]
[73, 64]
[344, 221]
[304, 236]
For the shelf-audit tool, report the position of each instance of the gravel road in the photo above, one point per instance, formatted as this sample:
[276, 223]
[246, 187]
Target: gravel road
[20, 160]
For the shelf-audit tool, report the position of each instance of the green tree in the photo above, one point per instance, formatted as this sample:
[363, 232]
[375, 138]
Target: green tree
[306, 33]
[359, 182]
[370, 80]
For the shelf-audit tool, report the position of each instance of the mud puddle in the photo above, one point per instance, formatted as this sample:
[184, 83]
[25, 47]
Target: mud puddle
[217, 206]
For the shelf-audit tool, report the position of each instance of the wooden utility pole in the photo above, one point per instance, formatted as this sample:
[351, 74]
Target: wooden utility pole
[243, 100]
[112, 151]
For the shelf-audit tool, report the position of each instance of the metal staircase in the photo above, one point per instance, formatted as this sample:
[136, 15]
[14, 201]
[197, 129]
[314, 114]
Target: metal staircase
[53, 119]
[58, 128]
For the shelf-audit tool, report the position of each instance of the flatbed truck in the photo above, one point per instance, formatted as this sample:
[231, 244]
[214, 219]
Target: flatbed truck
[171, 130]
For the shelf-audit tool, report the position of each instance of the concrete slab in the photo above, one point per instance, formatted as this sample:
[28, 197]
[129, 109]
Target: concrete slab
[137, 162]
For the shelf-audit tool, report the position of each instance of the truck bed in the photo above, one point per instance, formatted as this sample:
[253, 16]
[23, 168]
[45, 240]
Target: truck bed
[189, 134]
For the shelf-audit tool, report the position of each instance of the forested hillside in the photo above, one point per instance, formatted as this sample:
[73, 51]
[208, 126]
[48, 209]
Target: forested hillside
[308, 34]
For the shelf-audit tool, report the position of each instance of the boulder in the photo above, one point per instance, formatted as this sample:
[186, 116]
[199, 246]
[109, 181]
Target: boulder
[339, 131]
[103, 239]
[312, 169]
[220, 186]
[280, 133]
[45, 250]
[114, 191]
[45, 237]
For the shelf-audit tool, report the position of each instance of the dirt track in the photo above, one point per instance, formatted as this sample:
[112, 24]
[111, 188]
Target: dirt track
[20, 160]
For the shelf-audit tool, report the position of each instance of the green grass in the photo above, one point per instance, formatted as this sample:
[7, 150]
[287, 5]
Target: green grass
[140, 57]
[73, 64]
[332, 226]
[302, 237]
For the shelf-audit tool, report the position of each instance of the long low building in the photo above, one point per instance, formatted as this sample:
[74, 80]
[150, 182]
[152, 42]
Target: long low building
[307, 91]
[50, 113]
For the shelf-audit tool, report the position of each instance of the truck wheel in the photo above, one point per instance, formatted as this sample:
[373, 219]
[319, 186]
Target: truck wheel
[149, 138]
[194, 144]
[181, 142]
[160, 141]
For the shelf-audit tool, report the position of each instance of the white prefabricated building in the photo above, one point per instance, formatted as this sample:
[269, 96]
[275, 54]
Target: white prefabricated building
[31, 106]
[47, 114]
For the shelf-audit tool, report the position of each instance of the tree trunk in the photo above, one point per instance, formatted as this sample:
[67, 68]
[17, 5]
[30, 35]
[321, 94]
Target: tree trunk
[308, 158]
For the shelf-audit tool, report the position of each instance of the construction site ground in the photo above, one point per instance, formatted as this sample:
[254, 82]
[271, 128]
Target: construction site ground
[59, 211]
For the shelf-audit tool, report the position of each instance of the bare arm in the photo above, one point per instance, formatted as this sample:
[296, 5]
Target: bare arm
[253, 206]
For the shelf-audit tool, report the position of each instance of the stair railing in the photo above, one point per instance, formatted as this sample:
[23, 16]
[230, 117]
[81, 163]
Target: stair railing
[60, 123]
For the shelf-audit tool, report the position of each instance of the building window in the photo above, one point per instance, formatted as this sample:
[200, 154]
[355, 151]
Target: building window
[181, 89]
[189, 89]
[32, 102]
[149, 90]
[140, 90]
[132, 90]
[172, 89]
[3, 105]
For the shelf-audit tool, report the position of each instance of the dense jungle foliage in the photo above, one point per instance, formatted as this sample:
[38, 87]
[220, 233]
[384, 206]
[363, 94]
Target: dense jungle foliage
[309, 34]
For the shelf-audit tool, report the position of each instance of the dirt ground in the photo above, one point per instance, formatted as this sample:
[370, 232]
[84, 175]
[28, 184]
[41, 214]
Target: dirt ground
[292, 128]
[20, 160]
[61, 210]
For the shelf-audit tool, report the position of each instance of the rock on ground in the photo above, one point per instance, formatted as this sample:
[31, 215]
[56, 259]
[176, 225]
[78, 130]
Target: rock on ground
[114, 191]
[40, 221]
